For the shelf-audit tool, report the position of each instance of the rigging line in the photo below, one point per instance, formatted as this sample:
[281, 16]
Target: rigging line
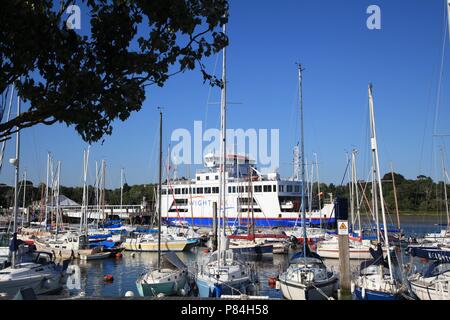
[210, 91]
[440, 75]
[427, 119]
[2, 151]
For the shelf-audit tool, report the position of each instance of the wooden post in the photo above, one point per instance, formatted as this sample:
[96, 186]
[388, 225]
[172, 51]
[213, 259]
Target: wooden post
[341, 208]
[214, 236]
[344, 262]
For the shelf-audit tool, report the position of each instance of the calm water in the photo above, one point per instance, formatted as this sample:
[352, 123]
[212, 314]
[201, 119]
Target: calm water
[127, 269]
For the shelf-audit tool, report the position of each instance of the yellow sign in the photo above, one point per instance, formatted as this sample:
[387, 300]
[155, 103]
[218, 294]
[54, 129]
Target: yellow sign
[342, 227]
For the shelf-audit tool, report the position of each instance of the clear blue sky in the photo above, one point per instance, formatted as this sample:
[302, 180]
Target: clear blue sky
[341, 57]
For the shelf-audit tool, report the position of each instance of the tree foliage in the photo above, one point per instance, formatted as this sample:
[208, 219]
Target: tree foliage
[89, 81]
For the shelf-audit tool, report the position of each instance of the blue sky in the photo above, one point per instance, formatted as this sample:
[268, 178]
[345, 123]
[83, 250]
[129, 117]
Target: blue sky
[340, 55]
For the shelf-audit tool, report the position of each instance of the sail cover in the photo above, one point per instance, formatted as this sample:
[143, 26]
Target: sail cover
[174, 260]
[430, 253]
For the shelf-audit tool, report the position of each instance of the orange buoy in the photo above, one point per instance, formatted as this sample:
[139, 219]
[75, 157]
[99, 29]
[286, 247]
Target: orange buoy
[108, 278]
[118, 255]
[206, 250]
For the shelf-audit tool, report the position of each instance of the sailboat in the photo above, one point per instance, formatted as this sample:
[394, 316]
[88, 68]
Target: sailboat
[73, 243]
[41, 274]
[248, 244]
[376, 279]
[223, 272]
[313, 234]
[161, 281]
[307, 277]
[359, 248]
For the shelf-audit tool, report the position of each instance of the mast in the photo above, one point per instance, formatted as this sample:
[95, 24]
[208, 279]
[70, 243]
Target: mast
[46, 190]
[83, 218]
[355, 192]
[58, 173]
[374, 146]
[24, 193]
[223, 125]
[16, 163]
[97, 201]
[302, 158]
[395, 196]
[159, 190]
[318, 190]
[444, 174]
[121, 189]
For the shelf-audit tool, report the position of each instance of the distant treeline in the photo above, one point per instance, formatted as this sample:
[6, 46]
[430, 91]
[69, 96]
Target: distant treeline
[132, 195]
[420, 195]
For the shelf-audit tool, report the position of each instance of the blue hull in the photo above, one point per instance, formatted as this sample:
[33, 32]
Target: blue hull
[263, 223]
[374, 295]
[207, 289]
[256, 251]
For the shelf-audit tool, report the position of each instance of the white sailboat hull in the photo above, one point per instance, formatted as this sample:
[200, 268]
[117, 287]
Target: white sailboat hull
[297, 291]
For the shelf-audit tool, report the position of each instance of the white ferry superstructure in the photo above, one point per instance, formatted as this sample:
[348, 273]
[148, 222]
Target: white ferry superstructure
[276, 202]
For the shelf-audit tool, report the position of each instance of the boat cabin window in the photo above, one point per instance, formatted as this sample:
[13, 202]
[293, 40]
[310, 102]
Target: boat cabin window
[177, 191]
[258, 188]
[217, 177]
[297, 189]
[207, 190]
[215, 189]
[288, 188]
[267, 188]
[207, 177]
[198, 178]
[274, 188]
[281, 188]
[193, 190]
[234, 189]
[163, 191]
[229, 189]
[199, 190]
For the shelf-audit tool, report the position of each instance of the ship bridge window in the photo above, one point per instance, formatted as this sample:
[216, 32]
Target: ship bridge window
[234, 189]
[267, 188]
[177, 191]
[281, 188]
[192, 190]
[274, 188]
[198, 178]
[215, 189]
[185, 191]
[199, 190]
[181, 201]
[289, 188]
[163, 191]
[258, 188]
[229, 189]
[217, 177]
[207, 177]
[240, 189]
[297, 189]
[208, 190]
[246, 189]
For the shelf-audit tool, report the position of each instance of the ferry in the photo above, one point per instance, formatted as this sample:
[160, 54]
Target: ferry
[274, 202]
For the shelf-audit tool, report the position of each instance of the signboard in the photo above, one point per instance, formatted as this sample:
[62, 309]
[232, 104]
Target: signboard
[342, 226]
